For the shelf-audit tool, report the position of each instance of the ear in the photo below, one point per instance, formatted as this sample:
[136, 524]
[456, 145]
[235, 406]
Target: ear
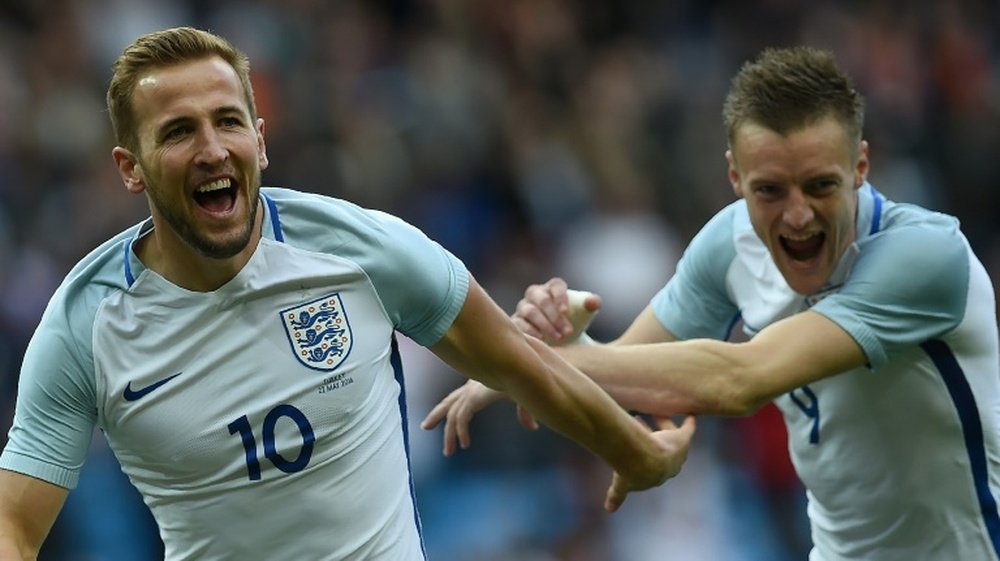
[862, 165]
[261, 147]
[129, 169]
[734, 176]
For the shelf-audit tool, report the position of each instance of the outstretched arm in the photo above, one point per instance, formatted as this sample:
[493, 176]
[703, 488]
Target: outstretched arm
[484, 344]
[717, 377]
[551, 312]
[28, 508]
[646, 370]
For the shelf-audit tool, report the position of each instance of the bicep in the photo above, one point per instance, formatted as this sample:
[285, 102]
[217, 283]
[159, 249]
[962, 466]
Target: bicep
[482, 343]
[28, 508]
[799, 350]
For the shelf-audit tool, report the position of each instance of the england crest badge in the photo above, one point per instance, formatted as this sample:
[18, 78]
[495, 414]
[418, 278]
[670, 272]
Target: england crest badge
[319, 332]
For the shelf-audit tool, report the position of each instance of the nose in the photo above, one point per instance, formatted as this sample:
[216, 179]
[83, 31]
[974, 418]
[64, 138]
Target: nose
[798, 210]
[211, 151]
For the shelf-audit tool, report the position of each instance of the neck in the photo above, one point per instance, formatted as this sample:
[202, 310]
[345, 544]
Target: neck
[175, 260]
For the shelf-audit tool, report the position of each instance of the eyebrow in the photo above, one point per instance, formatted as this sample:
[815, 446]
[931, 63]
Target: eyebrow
[217, 112]
[825, 176]
[811, 178]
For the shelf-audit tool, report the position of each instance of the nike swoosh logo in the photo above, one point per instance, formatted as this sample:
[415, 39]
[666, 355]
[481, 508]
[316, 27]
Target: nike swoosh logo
[132, 395]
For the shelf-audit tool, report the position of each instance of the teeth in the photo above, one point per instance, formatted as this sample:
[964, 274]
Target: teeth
[214, 185]
[799, 238]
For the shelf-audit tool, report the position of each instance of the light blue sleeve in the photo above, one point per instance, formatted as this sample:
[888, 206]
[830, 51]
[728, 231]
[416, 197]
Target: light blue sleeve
[56, 407]
[695, 302]
[908, 286]
[422, 285]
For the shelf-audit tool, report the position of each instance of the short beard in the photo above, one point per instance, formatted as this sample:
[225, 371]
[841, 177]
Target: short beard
[223, 250]
[207, 247]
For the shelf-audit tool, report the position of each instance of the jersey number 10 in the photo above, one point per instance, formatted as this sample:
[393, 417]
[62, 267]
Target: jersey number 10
[242, 426]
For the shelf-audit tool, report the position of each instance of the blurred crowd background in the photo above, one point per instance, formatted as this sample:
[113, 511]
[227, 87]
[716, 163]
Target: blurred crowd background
[532, 138]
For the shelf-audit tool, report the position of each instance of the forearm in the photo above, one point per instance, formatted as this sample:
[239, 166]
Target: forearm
[572, 404]
[9, 551]
[717, 377]
[28, 508]
[485, 345]
[698, 376]
[13, 546]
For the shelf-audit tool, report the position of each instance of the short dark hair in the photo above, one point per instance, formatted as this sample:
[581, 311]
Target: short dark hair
[790, 88]
[166, 48]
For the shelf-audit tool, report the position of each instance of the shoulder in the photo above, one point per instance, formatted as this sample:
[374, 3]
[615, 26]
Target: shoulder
[420, 283]
[696, 301]
[62, 342]
[323, 223]
[726, 237]
[904, 215]
[909, 284]
[915, 240]
[102, 272]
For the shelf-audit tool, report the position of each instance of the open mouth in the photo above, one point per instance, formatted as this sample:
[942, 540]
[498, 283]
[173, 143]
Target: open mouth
[803, 248]
[216, 196]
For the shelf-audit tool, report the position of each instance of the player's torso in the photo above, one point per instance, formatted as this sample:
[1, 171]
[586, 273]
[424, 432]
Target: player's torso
[265, 407]
[885, 455]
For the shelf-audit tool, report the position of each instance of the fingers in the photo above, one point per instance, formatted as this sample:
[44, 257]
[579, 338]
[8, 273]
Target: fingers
[542, 311]
[457, 410]
[616, 494]
[437, 413]
[689, 425]
[556, 307]
[462, 419]
[552, 312]
[448, 439]
[555, 287]
[456, 422]
[527, 420]
[529, 319]
[663, 423]
[686, 429]
[620, 487]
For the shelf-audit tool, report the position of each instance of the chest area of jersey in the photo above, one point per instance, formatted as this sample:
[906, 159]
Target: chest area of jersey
[308, 332]
[300, 364]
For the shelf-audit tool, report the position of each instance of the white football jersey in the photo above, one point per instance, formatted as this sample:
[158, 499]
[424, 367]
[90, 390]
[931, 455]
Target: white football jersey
[262, 420]
[901, 457]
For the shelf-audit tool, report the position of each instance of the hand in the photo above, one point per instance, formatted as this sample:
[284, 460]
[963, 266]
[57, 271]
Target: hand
[673, 442]
[458, 408]
[554, 313]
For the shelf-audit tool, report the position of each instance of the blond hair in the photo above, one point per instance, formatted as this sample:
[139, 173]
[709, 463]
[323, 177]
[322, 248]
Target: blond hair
[159, 49]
